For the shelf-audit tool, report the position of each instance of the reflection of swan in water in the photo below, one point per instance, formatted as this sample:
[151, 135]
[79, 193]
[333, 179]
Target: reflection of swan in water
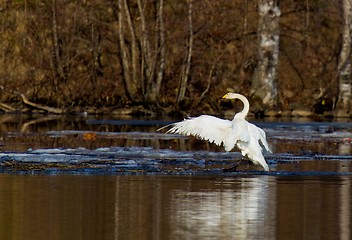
[248, 138]
[240, 211]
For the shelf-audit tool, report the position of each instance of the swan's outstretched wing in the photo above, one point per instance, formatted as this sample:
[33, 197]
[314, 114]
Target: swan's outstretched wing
[213, 129]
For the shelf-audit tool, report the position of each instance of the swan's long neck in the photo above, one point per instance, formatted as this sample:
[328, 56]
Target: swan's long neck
[245, 101]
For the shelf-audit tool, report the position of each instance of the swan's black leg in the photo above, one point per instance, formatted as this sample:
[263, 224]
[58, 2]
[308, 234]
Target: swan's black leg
[234, 167]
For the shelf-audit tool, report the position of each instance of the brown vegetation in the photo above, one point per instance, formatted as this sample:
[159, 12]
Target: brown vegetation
[111, 54]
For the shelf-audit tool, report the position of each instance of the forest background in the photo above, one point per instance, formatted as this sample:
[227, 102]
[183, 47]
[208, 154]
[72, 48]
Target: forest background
[162, 56]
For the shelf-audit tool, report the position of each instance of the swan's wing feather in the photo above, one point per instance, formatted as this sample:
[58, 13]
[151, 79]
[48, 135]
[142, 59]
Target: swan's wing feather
[259, 135]
[213, 129]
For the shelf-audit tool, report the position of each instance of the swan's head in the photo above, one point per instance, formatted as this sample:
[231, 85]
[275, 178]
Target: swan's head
[245, 110]
[230, 95]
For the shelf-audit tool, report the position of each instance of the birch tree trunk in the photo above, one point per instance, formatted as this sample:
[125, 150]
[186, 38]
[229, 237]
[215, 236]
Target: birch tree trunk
[187, 65]
[344, 65]
[264, 83]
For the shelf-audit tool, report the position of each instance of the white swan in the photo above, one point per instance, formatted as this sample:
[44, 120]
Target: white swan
[248, 138]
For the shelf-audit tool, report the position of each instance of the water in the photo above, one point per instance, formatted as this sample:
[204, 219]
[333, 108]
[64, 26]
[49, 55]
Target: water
[307, 194]
[174, 207]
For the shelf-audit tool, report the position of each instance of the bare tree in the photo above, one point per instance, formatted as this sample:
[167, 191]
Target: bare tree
[264, 83]
[152, 58]
[128, 53]
[344, 64]
[56, 61]
[187, 65]
[161, 46]
[142, 49]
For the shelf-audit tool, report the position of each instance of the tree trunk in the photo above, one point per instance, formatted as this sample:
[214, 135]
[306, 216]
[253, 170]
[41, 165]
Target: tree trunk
[152, 59]
[344, 65]
[157, 62]
[161, 46]
[143, 61]
[146, 68]
[134, 52]
[187, 65]
[128, 53]
[58, 70]
[264, 83]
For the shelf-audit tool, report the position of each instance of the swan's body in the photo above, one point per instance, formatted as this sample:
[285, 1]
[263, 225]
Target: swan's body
[248, 138]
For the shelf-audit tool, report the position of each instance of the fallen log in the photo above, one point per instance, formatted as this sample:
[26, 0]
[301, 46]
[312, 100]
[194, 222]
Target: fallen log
[41, 107]
[6, 108]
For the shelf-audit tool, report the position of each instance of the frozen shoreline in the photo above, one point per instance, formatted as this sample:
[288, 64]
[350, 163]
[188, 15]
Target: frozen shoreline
[146, 160]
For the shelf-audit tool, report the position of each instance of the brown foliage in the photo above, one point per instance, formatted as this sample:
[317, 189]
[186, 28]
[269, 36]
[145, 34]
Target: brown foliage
[81, 65]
